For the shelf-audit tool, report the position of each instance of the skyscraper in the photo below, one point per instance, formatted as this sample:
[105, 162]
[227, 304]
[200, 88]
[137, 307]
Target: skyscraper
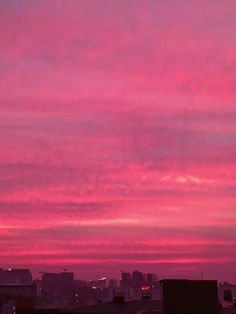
[126, 280]
[58, 288]
[138, 279]
[151, 279]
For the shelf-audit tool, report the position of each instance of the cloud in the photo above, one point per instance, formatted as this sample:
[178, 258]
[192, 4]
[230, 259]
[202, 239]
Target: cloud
[118, 126]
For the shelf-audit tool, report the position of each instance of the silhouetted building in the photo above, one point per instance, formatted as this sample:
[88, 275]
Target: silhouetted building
[113, 283]
[151, 279]
[38, 285]
[190, 296]
[78, 284]
[138, 279]
[50, 287]
[67, 287]
[17, 297]
[98, 284]
[227, 294]
[58, 289]
[126, 280]
[15, 276]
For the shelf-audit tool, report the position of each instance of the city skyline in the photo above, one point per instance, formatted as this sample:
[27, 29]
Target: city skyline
[117, 137]
[99, 275]
[61, 291]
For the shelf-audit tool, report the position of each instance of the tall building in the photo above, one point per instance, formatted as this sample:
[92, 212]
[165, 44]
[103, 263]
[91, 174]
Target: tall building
[67, 287]
[126, 280]
[138, 279]
[58, 289]
[50, 287]
[113, 283]
[152, 279]
[102, 282]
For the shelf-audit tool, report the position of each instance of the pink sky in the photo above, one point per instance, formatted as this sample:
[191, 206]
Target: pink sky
[117, 136]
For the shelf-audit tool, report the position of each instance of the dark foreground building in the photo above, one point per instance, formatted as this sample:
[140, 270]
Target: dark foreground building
[17, 297]
[190, 297]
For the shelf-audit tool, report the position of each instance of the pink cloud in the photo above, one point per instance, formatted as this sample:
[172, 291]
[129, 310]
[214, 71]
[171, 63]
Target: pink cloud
[118, 123]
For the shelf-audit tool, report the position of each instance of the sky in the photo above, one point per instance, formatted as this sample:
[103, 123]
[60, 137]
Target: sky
[118, 137]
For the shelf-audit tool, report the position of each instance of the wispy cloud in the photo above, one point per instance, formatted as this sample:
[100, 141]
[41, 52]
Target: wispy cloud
[118, 124]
